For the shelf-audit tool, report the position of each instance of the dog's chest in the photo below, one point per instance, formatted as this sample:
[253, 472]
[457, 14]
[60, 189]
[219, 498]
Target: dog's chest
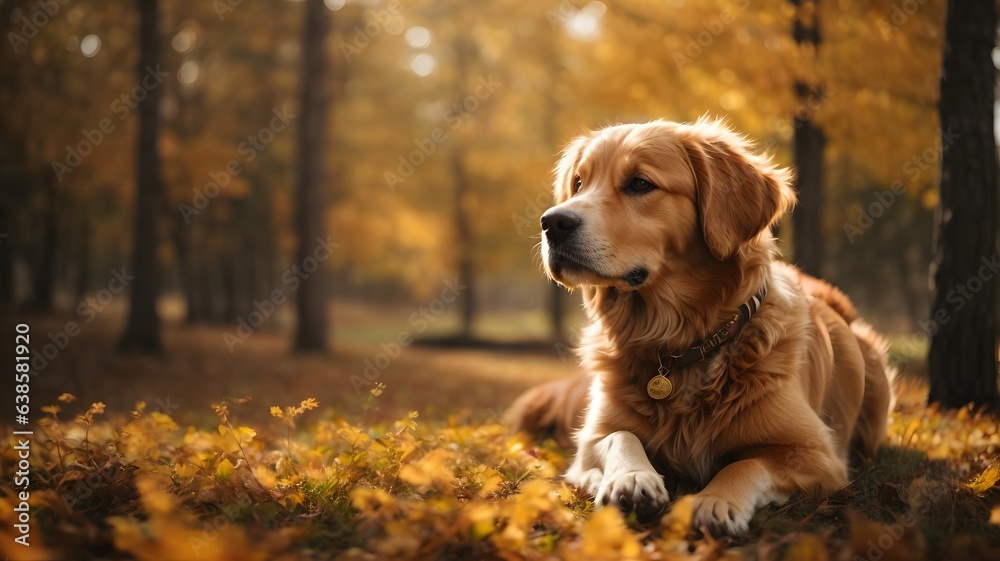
[680, 441]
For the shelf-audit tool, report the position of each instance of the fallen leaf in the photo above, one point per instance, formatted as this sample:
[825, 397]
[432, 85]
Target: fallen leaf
[986, 480]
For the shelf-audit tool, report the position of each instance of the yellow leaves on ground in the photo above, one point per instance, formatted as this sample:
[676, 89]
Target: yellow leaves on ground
[409, 423]
[291, 412]
[482, 520]
[605, 536]
[405, 490]
[374, 503]
[944, 435]
[985, 480]
[88, 416]
[536, 501]
[354, 437]
[896, 542]
[677, 522]
[433, 471]
[146, 436]
[224, 470]
[808, 548]
[153, 491]
[451, 497]
[240, 437]
[489, 479]
[171, 533]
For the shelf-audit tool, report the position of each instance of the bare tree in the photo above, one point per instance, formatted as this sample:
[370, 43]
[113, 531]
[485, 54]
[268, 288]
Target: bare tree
[311, 333]
[463, 50]
[963, 353]
[142, 332]
[809, 144]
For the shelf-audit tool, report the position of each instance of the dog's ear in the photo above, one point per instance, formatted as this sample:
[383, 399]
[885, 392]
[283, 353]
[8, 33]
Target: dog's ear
[739, 194]
[563, 186]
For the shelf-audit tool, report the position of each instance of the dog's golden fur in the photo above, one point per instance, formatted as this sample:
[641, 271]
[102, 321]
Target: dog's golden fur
[782, 407]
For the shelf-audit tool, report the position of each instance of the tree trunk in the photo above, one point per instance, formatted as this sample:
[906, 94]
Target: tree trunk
[465, 261]
[142, 332]
[807, 220]
[185, 268]
[963, 353]
[311, 333]
[204, 295]
[83, 256]
[463, 235]
[809, 144]
[230, 290]
[557, 294]
[45, 271]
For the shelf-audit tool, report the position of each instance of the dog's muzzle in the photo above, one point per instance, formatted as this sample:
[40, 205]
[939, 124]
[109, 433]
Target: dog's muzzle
[558, 225]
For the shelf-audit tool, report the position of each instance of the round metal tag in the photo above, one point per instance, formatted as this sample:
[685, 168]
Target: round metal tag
[659, 387]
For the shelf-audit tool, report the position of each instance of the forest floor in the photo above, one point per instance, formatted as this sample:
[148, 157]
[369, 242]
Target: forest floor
[205, 453]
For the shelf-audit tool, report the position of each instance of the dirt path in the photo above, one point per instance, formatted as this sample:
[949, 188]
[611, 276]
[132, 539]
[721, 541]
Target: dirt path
[198, 369]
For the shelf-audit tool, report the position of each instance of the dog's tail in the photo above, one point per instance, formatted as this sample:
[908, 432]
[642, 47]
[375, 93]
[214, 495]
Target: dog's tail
[553, 409]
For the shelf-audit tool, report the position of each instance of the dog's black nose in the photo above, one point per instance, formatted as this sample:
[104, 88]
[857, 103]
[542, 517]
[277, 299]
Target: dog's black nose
[559, 224]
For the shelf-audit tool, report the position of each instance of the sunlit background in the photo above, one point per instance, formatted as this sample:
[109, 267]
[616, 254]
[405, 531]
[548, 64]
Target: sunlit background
[446, 118]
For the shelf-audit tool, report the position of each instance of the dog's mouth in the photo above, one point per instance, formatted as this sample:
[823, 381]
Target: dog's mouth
[573, 270]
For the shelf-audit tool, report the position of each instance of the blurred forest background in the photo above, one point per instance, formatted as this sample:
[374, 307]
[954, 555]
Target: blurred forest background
[442, 122]
[335, 204]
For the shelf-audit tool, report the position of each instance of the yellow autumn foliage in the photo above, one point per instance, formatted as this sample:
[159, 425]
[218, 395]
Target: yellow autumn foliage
[409, 490]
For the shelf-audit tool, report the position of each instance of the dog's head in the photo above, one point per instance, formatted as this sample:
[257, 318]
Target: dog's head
[635, 201]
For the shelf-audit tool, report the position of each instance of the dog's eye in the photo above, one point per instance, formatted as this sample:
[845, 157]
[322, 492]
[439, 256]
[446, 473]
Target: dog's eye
[577, 183]
[639, 185]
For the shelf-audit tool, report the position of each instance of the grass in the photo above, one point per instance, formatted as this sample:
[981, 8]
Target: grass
[416, 467]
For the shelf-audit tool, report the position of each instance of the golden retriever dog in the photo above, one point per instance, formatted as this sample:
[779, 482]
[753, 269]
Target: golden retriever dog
[707, 361]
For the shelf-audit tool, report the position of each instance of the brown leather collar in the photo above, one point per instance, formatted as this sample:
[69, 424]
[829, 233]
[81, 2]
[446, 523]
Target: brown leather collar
[708, 347]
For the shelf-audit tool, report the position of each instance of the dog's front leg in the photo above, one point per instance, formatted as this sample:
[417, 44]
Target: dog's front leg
[767, 474]
[615, 469]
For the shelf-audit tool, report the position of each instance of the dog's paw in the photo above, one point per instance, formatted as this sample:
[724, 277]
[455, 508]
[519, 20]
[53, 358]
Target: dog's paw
[719, 516]
[589, 481]
[639, 491]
